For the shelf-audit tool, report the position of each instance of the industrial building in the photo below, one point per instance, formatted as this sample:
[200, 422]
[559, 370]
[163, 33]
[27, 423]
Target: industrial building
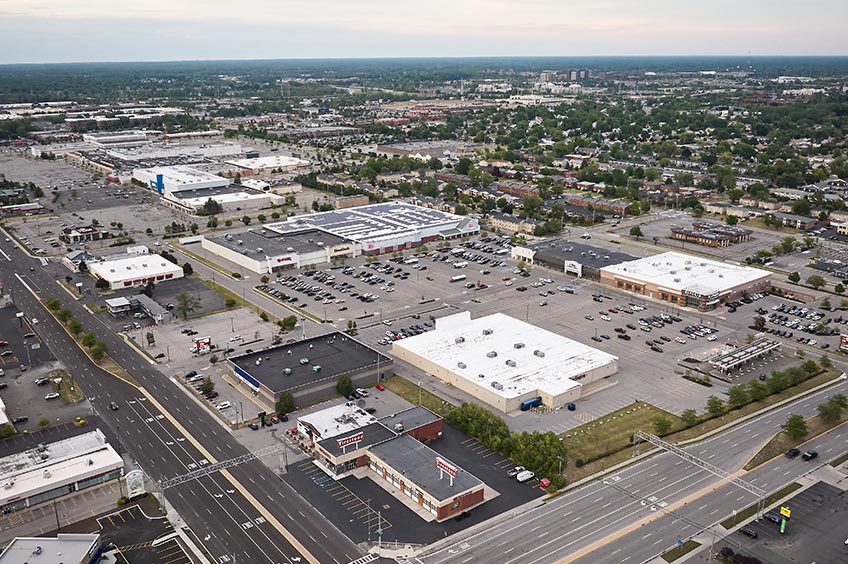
[504, 361]
[167, 180]
[394, 448]
[570, 257]
[230, 198]
[686, 280]
[54, 470]
[321, 237]
[309, 369]
[277, 163]
[65, 548]
[134, 270]
[264, 251]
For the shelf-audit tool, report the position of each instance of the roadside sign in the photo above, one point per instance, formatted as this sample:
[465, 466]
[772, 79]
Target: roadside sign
[135, 483]
[679, 542]
[782, 526]
[786, 512]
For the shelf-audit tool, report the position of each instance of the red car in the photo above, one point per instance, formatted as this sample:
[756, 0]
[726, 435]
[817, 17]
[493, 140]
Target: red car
[4, 344]
[380, 387]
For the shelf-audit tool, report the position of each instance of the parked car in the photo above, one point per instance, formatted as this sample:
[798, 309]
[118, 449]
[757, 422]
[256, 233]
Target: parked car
[20, 419]
[512, 473]
[748, 531]
[52, 395]
[223, 405]
[113, 406]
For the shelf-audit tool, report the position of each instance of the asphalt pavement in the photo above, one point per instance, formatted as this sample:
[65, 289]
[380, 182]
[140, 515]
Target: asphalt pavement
[227, 523]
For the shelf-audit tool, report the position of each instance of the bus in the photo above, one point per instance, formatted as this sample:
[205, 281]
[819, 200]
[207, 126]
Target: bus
[459, 278]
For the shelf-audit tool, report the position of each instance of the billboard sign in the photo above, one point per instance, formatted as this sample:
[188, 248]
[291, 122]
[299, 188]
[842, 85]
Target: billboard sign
[343, 442]
[135, 483]
[446, 466]
[843, 342]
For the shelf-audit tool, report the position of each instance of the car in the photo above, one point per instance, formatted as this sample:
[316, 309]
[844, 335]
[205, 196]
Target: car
[513, 472]
[20, 419]
[597, 339]
[6, 353]
[254, 426]
[623, 336]
[52, 396]
[34, 321]
[680, 340]
[589, 317]
[223, 405]
[749, 532]
[543, 303]
[371, 410]
[773, 517]
[631, 326]
[42, 381]
[113, 406]
[792, 453]
[380, 387]
[809, 455]
[160, 355]
[712, 338]
[191, 373]
[284, 417]
[211, 395]
[235, 338]
[607, 337]
[4, 344]
[362, 393]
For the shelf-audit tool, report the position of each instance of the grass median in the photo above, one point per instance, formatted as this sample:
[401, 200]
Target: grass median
[680, 551]
[412, 392]
[749, 511]
[782, 442]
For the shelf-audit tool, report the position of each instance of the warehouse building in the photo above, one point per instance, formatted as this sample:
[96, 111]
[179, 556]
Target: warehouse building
[264, 251]
[54, 470]
[570, 257]
[345, 437]
[321, 237]
[506, 362]
[231, 198]
[134, 270]
[309, 369]
[275, 163]
[64, 548]
[167, 180]
[686, 280]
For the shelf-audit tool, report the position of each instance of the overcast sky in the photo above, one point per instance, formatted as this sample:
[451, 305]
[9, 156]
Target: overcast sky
[130, 30]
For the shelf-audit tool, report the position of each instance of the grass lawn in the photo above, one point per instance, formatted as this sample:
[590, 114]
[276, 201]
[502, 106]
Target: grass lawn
[839, 461]
[679, 551]
[782, 442]
[67, 388]
[749, 511]
[410, 392]
[610, 434]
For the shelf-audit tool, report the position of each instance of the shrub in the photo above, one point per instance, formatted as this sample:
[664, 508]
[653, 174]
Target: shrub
[230, 302]
[236, 275]
[43, 422]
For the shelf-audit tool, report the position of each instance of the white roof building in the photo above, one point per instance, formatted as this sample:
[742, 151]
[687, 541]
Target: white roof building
[4, 418]
[504, 361]
[275, 162]
[333, 421]
[65, 548]
[135, 270]
[169, 179]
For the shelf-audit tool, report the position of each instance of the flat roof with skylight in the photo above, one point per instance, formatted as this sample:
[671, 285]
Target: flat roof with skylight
[681, 272]
[506, 356]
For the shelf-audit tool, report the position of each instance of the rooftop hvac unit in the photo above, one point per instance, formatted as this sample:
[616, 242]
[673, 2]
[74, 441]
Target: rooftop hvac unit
[672, 272]
[510, 363]
[481, 375]
[459, 340]
[9, 485]
[320, 243]
[143, 265]
[45, 473]
[290, 249]
[492, 354]
[90, 462]
[239, 242]
[688, 261]
[497, 385]
[703, 264]
[518, 345]
[111, 270]
[258, 249]
[460, 365]
[229, 237]
[540, 354]
[687, 268]
[677, 279]
[487, 331]
[41, 447]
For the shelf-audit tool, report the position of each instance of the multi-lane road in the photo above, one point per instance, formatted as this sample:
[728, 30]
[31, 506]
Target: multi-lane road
[247, 514]
[604, 521]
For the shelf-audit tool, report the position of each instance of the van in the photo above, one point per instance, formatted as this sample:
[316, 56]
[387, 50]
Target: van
[525, 476]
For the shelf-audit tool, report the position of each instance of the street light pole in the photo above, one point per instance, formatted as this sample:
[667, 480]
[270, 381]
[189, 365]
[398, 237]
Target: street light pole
[419, 391]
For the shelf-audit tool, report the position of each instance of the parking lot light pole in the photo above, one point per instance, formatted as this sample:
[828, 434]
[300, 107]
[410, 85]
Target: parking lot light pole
[419, 391]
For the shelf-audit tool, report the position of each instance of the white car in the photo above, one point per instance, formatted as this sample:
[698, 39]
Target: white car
[223, 405]
[235, 338]
[50, 396]
[680, 340]
[606, 318]
[712, 338]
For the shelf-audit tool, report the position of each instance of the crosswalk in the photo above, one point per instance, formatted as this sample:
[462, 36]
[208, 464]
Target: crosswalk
[365, 559]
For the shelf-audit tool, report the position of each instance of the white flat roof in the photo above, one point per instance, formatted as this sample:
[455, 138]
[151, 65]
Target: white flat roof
[3, 417]
[273, 161]
[65, 547]
[679, 272]
[133, 266]
[221, 198]
[183, 175]
[337, 420]
[34, 471]
[546, 362]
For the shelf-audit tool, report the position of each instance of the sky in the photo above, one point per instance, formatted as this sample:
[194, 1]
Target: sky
[43, 31]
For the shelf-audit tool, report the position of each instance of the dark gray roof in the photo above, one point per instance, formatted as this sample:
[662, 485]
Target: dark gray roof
[417, 464]
[372, 435]
[412, 418]
[274, 244]
[336, 353]
[559, 250]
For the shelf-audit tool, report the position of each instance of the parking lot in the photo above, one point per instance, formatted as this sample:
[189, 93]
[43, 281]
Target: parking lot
[815, 533]
[352, 503]
[134, 533]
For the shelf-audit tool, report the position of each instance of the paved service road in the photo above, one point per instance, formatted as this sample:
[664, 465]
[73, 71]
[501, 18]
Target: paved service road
[568, 528]
[223, 518]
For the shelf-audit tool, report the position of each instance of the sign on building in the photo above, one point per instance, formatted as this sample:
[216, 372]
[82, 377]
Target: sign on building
[445, 466]
[843, 342]
[349, 440]
[135, 483]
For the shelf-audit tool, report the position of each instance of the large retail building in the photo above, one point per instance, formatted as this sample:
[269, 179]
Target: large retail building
[686, 280]
[504, 361]
[135, 270]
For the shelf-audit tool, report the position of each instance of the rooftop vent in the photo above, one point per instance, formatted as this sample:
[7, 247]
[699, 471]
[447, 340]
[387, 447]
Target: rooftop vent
[497, 385]
[459, 340]
[481, 375]
[518, 345]
[45, 473]
[492, 354]
[239, 242]
[677, 279]
[540, 354]
[510, 363]
[487, 331]
[461, 365]
[258, 249]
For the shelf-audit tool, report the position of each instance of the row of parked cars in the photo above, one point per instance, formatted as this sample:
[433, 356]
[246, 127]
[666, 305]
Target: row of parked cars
[404, 332]
[734, 305]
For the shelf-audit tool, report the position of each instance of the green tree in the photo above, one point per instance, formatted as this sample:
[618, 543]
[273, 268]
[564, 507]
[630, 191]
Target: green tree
[264, 279]
[245, 219]
[689, 417]
[263, 316]
[662, 425]
[737, 396]
[759, 322]
[795, 427]
[839, 288]
[825, 362]
[207, 385]
[75, 327]
[344, 386]
[757, 390]
[636, 231]
[825, 303]
[53, 304]
[731, 220]
[98, 351]
[285, 404]
[816, 281]
[715, 406]
[830, 412]
[64, 315]
[186, 304]
[151, 339]
[89, 340]
[794, 277]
